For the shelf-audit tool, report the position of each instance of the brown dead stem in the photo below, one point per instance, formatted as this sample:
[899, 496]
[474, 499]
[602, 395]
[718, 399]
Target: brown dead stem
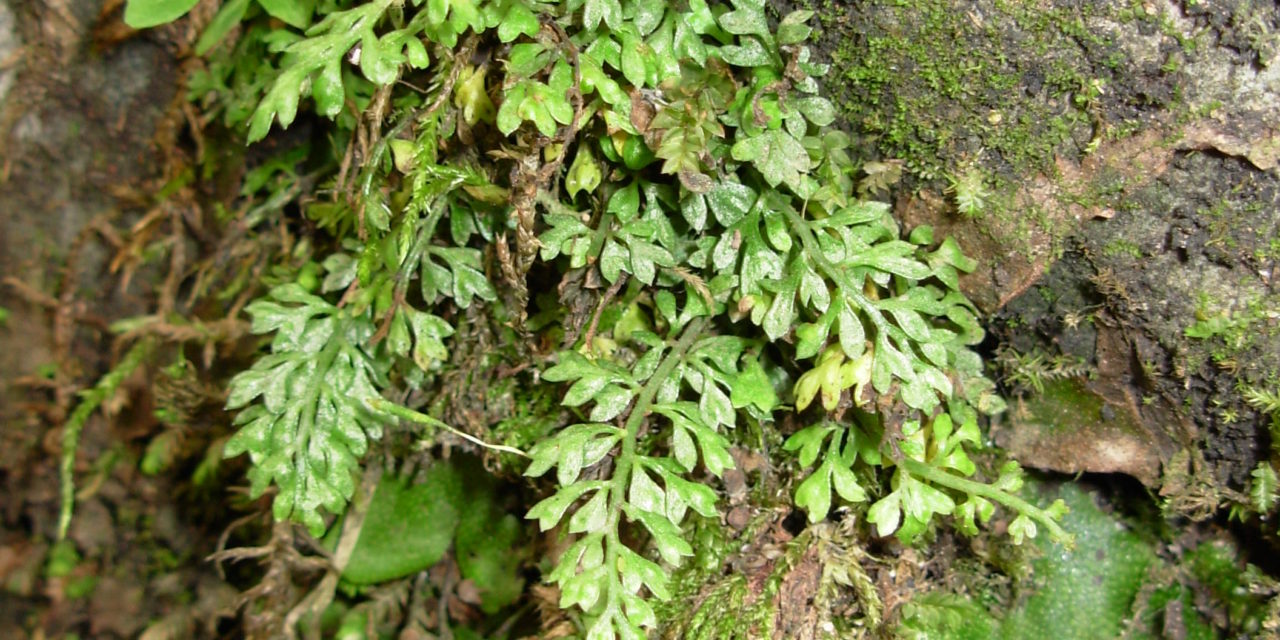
[528, 179]
[604, 302]
[369, 141]
[322, 595]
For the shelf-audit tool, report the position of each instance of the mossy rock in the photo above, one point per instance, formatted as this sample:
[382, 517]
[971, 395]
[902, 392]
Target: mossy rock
[1075, 425]
[1111, 584]
[1087, 592]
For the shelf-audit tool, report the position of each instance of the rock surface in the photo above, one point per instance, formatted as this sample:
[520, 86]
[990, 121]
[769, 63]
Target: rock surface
[1126, 158]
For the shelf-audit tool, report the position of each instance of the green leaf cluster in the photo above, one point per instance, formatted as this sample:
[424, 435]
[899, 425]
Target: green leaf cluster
[708, 266]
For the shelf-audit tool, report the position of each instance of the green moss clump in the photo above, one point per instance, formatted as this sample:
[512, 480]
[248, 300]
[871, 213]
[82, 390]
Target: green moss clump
[1068, 405]
[1101, 576]
[1112, 584]
[1216, 566]
[938, 86]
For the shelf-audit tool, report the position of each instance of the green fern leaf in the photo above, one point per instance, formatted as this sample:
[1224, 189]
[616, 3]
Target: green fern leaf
[310, 425]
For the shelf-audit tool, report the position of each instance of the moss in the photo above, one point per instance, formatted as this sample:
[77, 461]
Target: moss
[1067, 404]
[939, 614]
[1217, 568]
[536, 414]
[1114, 575]
[1102, 575]
[1238, 337]
[1012, 88]
[1121, 247]
[756, 602]
[936, 85]
[707, 603]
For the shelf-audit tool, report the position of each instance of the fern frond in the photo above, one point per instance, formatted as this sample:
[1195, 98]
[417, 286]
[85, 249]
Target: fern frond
[312, 423]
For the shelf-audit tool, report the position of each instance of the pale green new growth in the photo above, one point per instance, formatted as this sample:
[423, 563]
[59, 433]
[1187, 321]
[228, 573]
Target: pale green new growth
[90, 400]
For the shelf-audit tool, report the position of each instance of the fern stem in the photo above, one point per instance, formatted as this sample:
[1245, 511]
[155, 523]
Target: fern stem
[386, 406]
[940, 477]
[602, 232]
[626, 457]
